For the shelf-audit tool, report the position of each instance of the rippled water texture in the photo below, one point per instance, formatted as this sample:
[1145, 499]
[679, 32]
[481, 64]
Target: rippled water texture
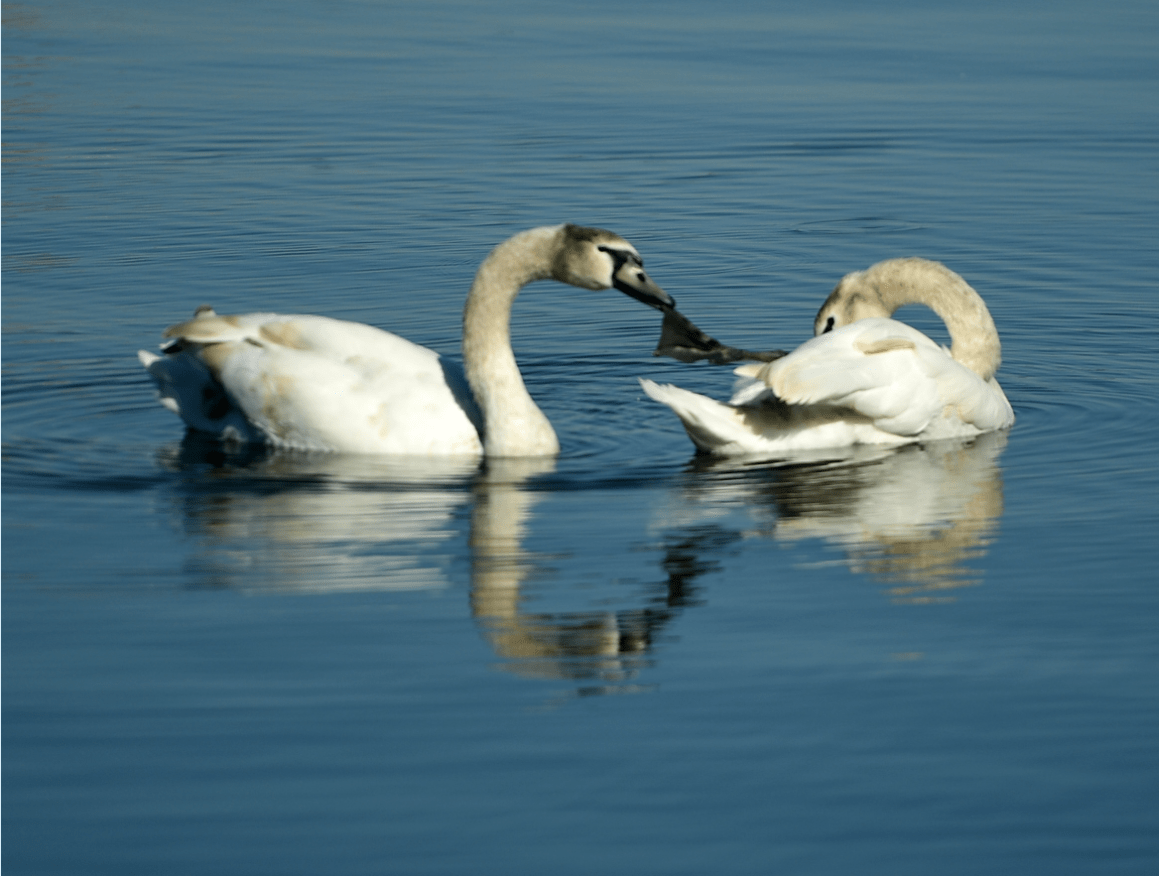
[939, 659]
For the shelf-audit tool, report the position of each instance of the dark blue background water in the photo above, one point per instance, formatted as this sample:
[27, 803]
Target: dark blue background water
[936, 660]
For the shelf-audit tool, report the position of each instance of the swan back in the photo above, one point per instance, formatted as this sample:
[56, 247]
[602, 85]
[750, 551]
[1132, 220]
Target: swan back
[881, 289]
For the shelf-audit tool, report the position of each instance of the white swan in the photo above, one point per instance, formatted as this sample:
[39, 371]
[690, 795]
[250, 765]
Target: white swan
[864, 378]
[314, 383]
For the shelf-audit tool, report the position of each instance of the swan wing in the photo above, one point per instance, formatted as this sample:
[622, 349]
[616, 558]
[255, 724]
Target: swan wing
[317, 383]
[769, 428]
[885, 371]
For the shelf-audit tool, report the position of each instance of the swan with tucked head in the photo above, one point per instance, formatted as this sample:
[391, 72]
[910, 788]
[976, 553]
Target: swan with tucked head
[864, 378]
[315, 383]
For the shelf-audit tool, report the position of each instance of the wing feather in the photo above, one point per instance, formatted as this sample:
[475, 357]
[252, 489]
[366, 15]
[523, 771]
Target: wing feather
[879, 368]
[314, 382]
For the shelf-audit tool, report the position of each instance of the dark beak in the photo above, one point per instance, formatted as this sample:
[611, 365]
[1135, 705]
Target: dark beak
[631, 280]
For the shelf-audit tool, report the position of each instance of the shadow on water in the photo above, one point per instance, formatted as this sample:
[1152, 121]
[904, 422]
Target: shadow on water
[911, 518]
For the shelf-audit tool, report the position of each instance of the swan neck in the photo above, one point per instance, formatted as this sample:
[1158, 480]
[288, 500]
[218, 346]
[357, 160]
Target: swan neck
[513, 425]
[973, 335]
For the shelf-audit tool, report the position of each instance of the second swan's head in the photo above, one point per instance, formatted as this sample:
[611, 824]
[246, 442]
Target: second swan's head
[593, 258]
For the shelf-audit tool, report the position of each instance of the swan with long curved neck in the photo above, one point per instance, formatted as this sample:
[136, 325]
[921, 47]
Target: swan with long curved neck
[864, 378]
[315, 383]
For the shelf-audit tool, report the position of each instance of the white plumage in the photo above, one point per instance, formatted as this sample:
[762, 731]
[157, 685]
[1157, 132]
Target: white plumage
[315, 383]
[864, 378]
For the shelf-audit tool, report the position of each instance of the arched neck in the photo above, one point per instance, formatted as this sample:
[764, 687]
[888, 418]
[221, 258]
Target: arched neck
[513, 424]
[973, 335]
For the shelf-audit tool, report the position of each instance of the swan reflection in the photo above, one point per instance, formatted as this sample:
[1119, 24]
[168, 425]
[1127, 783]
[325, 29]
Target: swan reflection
[329, 523]
[605, 647]
[912, 518]
[318, 522]
[556, 645]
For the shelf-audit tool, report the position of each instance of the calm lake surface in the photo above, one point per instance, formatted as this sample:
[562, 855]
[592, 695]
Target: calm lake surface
[942, 659]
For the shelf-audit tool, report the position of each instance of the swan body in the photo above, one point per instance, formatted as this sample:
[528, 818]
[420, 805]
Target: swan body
[863, 378]
[315, 383]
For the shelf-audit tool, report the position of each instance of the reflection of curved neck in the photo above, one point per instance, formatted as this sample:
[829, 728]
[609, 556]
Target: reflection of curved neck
[499, 564]
[555, 646]
[513, 423]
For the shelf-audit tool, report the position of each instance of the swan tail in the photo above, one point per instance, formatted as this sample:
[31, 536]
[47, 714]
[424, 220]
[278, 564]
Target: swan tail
[186, 387]
[713, 427]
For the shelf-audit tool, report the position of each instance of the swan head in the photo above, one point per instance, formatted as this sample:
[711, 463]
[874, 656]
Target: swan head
[853, 298]
[593, 258]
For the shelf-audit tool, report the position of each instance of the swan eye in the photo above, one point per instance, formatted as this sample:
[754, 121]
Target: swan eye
[828, 325]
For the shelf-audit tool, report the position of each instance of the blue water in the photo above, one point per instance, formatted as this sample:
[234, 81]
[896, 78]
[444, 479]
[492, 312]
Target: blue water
[936, 660]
